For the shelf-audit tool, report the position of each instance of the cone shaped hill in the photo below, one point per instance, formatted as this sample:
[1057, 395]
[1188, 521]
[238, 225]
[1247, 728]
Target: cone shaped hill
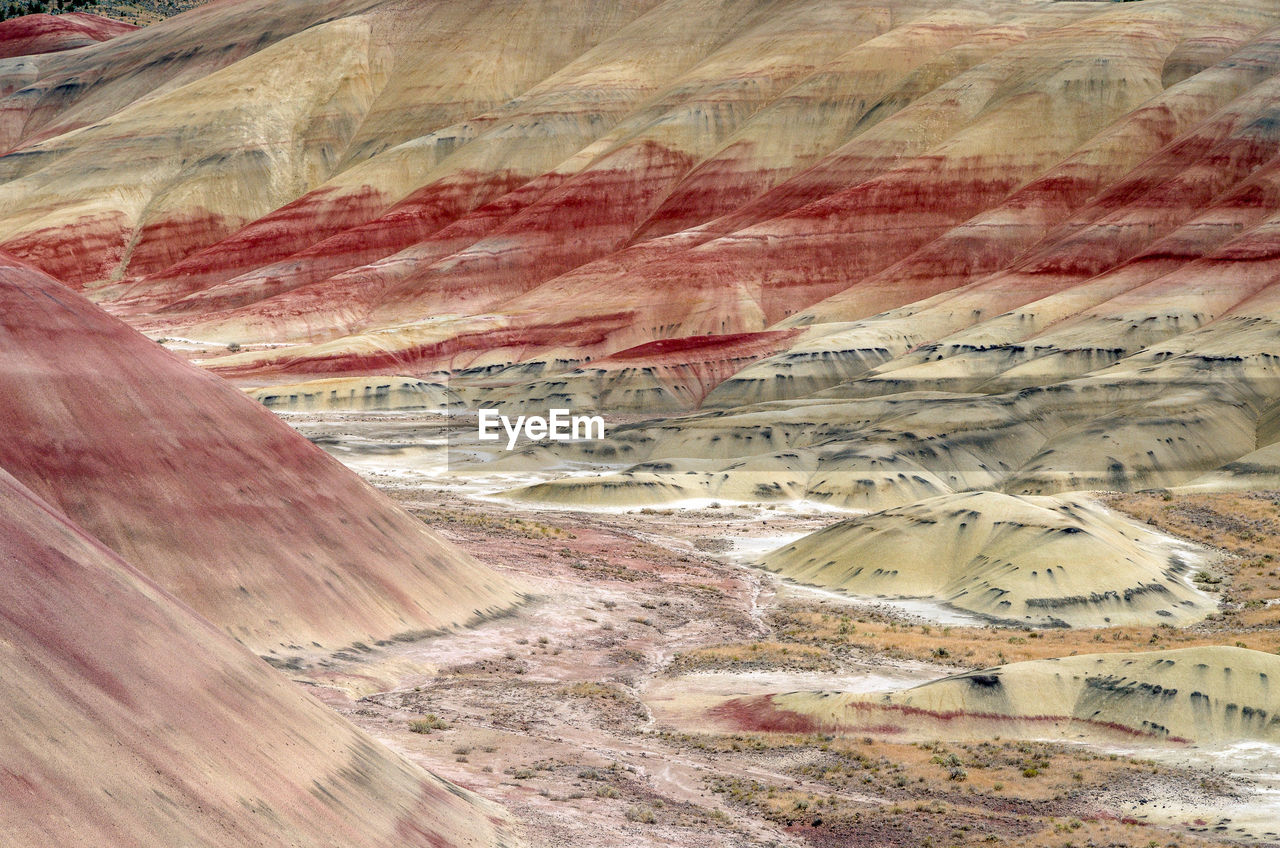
[207, 492]
[1029, 560]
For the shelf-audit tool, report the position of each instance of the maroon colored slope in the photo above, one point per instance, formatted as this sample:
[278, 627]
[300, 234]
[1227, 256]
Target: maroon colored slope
[131, 722]
[33, 34]
[206, 491]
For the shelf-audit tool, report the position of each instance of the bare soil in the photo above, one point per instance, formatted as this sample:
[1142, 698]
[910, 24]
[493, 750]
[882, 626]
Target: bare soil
[580, 712]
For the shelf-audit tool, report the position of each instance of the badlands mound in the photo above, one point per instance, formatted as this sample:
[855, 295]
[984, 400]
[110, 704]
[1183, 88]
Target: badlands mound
[1207, 694]
[29, 35]
[207, 492]
[1165, 418]
[1029, 560]
[131, 722]
[355, 394]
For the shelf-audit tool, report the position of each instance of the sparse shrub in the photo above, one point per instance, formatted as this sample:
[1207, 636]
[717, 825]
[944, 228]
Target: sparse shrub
[428, 723]
[28, 7]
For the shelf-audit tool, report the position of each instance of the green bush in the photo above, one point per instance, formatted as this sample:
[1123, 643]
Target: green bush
[30, 7]
[427, 723]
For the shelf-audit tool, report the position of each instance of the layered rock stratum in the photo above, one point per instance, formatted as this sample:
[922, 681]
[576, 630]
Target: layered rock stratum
[877, 254]
[1185, 695]
[1024, 247]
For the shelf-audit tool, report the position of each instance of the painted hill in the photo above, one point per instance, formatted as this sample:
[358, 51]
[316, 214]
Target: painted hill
[129, 721]
[1032, 560]
[207, 492]
[40, 33]
[1046, 228]
[1191, 694]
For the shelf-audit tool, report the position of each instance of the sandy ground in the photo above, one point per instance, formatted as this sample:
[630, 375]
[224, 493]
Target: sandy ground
[579, 714]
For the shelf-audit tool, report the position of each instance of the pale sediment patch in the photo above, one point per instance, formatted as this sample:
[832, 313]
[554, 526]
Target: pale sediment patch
[1251, 767]
[911, 609]
[685, 700]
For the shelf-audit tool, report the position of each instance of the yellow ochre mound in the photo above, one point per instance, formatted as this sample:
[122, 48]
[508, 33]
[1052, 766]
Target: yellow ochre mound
[1042, 561]
[1204, 694]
